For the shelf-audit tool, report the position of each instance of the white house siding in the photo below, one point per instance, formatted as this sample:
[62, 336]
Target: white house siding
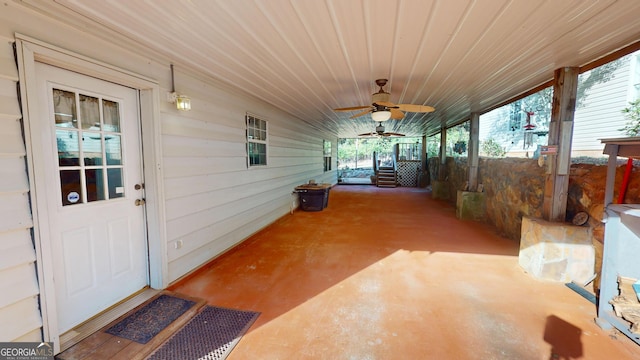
[212, 200]
[601, 117]
[19, 310]
[493, 125]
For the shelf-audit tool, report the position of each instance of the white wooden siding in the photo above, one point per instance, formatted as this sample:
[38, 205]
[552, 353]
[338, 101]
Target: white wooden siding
[601, 117]
[20, 318]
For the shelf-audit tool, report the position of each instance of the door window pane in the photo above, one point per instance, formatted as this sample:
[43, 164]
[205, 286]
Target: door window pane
[68, 149]
[71, 187]
[113, 149]
[95, 184]
[111, 116]
[116, 188]
[92, 148]
[89, 112]
[64, 108]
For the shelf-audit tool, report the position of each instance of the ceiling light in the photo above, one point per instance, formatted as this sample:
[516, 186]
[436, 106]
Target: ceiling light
[383, 115]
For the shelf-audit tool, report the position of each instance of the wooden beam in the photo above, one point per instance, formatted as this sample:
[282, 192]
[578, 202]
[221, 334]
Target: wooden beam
[611, 57]
[472, 151]
[565, 84]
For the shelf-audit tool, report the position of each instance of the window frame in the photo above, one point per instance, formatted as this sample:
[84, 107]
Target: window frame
[515, 116]
[250, 131]
[326, 155]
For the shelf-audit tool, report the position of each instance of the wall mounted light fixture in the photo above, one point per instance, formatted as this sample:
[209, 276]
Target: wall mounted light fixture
[182, 101]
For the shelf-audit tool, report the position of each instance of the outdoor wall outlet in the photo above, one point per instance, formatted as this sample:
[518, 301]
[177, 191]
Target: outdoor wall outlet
[178, 244]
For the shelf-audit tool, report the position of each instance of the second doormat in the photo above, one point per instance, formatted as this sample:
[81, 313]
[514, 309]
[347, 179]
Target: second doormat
[211, 335]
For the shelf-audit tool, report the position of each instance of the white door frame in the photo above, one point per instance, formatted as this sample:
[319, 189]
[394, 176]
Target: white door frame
[29, 51]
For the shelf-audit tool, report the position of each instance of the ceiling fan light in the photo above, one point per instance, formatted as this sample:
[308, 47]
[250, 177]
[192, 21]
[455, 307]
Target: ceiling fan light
[381, 115]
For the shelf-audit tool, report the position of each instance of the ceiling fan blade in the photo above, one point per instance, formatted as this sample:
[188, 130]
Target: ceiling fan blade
[392, 134]
[368, 134]
[360, 114]
[415, 108]
[396, 114]
[353, 108]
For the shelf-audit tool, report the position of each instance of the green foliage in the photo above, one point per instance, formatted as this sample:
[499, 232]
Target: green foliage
[632, 114]
[492, 148]
[456, 137]
[359, 152]
[433, 146]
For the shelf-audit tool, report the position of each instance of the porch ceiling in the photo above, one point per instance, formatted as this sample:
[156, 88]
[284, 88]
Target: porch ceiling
[308, 57]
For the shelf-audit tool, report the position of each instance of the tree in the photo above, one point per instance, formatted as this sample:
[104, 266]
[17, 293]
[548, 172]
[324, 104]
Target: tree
[492, 148]
[632, 114]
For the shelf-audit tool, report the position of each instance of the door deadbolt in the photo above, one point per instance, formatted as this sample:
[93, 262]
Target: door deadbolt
[139, 186]
[140, 202]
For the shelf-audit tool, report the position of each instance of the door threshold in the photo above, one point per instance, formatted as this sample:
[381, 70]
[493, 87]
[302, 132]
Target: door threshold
[82, 331]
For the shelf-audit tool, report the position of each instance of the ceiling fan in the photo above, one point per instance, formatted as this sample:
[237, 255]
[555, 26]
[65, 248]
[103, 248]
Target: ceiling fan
[380, 132]
[381, 109]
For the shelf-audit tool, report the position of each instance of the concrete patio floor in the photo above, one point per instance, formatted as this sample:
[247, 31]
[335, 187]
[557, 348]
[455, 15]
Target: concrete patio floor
[392, 274]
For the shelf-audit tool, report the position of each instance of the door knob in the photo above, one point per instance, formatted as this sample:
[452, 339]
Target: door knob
[140, 202]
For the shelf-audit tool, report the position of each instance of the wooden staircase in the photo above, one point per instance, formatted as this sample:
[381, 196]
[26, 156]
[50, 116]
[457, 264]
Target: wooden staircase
[387, 177]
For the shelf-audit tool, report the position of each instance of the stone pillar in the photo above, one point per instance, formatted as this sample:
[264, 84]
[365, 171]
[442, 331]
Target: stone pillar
[470, 205]
[556, 251]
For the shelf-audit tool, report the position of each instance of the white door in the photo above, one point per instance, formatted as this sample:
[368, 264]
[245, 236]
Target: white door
[90, 133]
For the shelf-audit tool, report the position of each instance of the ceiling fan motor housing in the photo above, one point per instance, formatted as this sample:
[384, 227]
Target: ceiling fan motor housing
[380, 97]
[380, 129]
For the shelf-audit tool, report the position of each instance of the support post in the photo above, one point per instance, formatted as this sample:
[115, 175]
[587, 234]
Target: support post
[423, 157]
[443, 154]
[472, 153]
[565, 83]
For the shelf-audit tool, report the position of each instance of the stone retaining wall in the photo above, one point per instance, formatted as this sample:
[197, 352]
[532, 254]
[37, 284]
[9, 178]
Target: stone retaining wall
[514, 188]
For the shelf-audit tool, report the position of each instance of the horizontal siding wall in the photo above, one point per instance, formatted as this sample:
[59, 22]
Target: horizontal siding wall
[20, 318]
[213, 199]
[601, 116]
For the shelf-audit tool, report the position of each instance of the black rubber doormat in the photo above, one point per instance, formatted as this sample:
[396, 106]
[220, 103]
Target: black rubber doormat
[145, 323]
[210, 335]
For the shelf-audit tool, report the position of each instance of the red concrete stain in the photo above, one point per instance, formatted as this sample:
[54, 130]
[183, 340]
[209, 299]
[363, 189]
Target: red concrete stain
[392, 274]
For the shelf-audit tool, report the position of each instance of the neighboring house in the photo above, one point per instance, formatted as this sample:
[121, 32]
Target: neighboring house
[600, 117]
[76, 240]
